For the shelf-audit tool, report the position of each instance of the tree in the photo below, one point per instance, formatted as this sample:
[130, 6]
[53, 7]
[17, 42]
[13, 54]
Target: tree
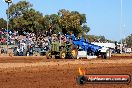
[66, 22]
[101, 38]
[33, 20]
[128, 40]
[71, 21]
[17, 10]
[94, 38]
[51, 23]
[82, 17]
[24, 17]
[86, 29]
[2, 23]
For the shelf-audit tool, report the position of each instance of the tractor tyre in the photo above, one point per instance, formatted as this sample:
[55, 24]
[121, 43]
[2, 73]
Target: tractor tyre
[74, 53]
[48, 55]
[62, 54]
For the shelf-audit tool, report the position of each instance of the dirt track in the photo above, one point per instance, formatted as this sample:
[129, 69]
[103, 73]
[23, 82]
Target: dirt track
[37, 72]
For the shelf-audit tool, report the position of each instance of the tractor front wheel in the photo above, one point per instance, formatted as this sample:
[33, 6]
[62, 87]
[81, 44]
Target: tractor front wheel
[48, 55]
[62, 54]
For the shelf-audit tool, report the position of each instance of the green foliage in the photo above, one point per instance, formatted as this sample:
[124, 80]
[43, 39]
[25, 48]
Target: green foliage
[33, 20]
[51, 22]
[24, 17]
[17, 10]
[86, 29]
[2, 23]
[72, 22]
[128, 40]
[93, 38]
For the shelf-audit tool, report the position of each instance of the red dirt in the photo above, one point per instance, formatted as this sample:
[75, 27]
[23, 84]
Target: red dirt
[38, 72]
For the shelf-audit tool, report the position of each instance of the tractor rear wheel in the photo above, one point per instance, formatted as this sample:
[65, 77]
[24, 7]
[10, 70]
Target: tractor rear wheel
[74, 53]
[48, 55]
[62, 55]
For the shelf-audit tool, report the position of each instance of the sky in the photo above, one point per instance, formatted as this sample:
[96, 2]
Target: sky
[103, 16]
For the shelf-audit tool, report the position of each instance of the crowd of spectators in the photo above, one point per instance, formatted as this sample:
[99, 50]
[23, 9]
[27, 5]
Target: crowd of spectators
[13, 37]
[29, 39]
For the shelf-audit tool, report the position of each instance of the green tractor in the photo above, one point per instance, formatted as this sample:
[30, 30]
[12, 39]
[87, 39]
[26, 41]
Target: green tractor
[62, 51]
